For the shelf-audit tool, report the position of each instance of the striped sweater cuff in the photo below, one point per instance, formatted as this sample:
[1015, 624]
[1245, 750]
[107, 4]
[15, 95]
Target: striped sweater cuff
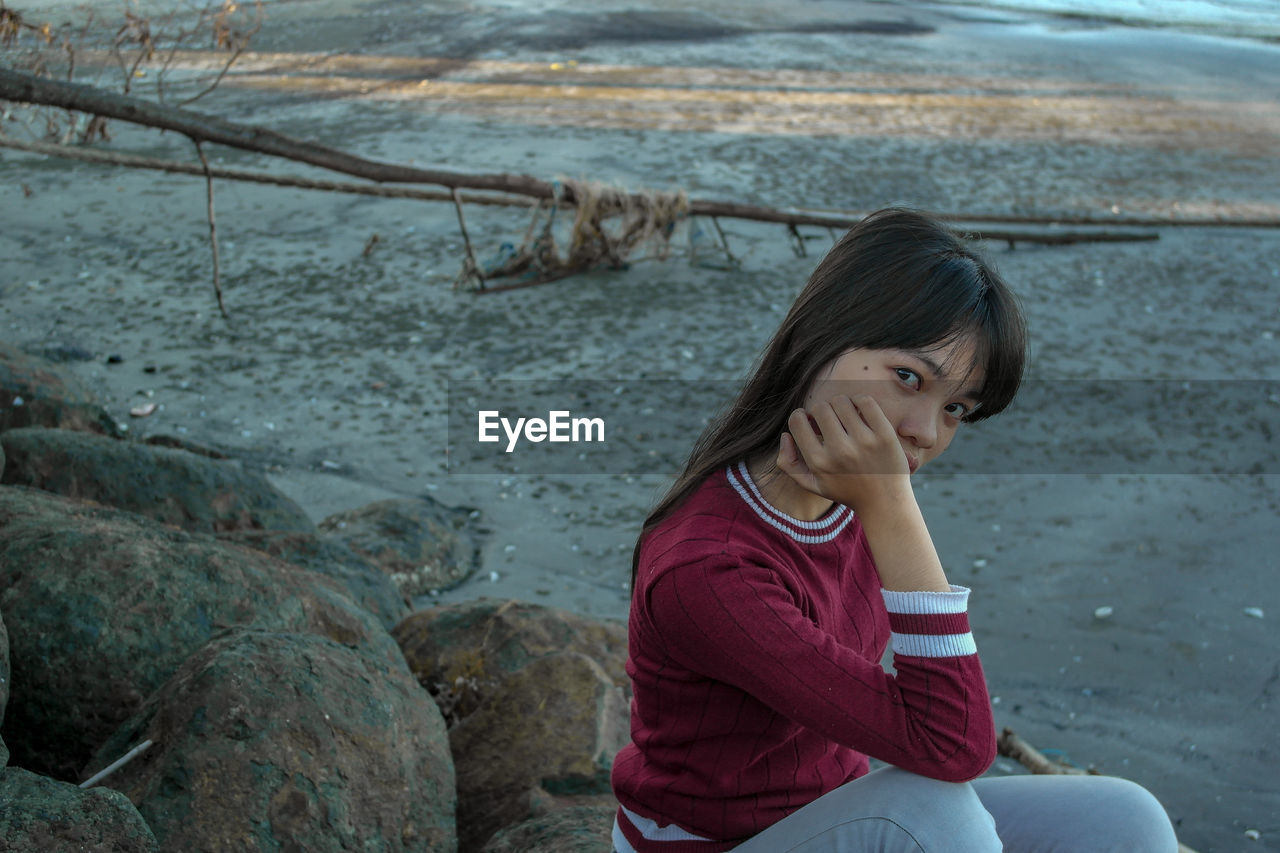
[930, 624]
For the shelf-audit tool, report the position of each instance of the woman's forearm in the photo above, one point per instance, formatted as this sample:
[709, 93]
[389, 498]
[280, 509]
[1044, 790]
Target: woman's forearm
[902, 547]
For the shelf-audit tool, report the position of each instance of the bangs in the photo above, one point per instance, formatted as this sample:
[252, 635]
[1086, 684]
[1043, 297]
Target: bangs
[1000, 339]
[962, 297]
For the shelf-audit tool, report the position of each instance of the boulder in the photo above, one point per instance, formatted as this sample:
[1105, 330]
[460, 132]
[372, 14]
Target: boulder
[42, 815]
[575, 829]
[461, 652]
[276, 741]
[37, 392]
[552, 727]
[102, 606]
[4, 669]
[365, 583]
[169, 485]
[422, 544]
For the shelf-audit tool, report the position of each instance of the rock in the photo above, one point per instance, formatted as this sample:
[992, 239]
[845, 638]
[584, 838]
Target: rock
[173, 441]
[41, 815]
[275, 741]
[102, 606]
[460, 652]
[37, 392]
[577, 829]
[168, 485]
[61, 352]
[554, 726]
[4, 669]
[364, 582]
[421, 543]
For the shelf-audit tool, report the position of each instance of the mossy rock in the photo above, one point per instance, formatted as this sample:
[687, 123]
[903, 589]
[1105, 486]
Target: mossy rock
[461, 652]
[170, 485]
[42, 815]
[367, 585]
[37, 392]
[277, 741]
[4, 669]
[102, 606]
[420, 543]
[552, 727]
[576, 829]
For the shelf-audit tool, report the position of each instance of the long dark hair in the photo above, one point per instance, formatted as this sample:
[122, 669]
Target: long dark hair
[899, 279]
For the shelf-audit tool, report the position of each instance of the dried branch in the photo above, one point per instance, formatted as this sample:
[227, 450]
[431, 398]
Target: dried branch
[472, 268]
[1010, 745]
[213, 230]
[116, 765]
[724, 241]
[134, 161]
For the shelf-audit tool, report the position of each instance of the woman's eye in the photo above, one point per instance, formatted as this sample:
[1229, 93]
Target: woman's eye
[959, 411]
[908, 377]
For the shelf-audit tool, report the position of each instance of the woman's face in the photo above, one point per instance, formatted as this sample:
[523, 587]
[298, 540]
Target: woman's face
[925, 394]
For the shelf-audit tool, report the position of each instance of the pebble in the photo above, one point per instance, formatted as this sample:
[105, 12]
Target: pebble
[1255, 612]
[1103, 612]
[1252, 834]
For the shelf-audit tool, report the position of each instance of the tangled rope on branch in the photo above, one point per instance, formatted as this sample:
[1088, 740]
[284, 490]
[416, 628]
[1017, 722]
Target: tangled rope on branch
[609, 225]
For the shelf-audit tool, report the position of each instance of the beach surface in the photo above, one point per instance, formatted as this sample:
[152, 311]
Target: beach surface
[1125, 599]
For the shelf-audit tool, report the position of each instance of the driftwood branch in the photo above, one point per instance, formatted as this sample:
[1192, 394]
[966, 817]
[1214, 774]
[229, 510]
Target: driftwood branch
[201, 127]
[213, 231]
[1010, 745]
[134, 161]
[29, 89]
[116, 765]
[514, 198]
[472, 268]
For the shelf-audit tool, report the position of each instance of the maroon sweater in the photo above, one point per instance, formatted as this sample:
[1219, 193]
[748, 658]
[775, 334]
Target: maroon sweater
[755, 646]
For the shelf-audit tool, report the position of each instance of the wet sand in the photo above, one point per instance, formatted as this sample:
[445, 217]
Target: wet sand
[334, 371]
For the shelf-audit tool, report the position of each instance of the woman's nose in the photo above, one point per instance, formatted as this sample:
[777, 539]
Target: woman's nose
[920, 427]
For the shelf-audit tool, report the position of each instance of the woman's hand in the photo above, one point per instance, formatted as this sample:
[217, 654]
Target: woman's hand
[853, 456]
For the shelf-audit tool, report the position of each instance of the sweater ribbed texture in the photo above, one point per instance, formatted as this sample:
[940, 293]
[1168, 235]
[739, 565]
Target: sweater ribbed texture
[755, 643]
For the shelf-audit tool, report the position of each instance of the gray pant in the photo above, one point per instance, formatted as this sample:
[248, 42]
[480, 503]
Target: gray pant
[892, 811]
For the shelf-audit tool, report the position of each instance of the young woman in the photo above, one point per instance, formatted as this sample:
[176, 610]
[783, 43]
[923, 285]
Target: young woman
[791, 551]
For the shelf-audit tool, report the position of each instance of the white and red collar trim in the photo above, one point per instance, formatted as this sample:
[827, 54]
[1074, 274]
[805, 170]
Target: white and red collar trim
[806, 532]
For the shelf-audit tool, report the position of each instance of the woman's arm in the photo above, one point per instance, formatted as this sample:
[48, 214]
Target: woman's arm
[739, 624]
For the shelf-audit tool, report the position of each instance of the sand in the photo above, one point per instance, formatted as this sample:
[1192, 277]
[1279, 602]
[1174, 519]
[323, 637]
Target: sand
[335, 370]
